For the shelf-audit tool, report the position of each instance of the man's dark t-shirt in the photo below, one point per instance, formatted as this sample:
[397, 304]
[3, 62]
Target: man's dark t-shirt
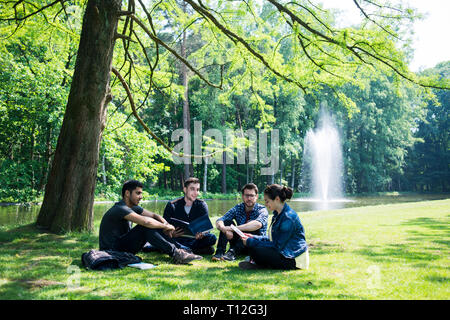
[113, 224]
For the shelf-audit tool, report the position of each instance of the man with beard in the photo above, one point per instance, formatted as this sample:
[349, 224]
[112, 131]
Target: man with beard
[250, 217]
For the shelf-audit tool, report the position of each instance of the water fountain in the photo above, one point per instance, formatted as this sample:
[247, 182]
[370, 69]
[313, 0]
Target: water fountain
[323, 165]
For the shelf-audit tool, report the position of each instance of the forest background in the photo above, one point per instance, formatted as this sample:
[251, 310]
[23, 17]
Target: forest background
[395, 134]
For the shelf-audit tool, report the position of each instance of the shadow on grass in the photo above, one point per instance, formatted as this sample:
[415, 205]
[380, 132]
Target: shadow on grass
[438, 279]
[319, 247]
[440, 234]
[396, 253]
[212, 280]
[32, 259]
[420, 248]
[430, 223]
[35, 266]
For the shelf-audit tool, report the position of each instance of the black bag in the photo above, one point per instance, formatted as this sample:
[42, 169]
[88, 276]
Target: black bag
[108, 259]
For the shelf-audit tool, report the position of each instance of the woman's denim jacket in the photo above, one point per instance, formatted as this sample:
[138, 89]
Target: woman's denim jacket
[288, 234]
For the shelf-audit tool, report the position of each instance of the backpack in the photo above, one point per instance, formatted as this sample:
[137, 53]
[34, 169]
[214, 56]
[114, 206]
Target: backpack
[108, 259]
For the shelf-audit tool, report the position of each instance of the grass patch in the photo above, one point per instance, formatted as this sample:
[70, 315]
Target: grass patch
[398, 251]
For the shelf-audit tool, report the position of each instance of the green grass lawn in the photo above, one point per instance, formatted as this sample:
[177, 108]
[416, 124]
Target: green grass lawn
[396, 251]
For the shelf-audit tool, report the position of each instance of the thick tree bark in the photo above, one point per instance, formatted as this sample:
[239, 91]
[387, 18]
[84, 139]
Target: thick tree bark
[69, 193]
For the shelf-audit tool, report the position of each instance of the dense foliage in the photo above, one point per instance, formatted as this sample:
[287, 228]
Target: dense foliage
[395, 134]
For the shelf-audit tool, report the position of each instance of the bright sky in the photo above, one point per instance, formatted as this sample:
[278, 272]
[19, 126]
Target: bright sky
[432, 34]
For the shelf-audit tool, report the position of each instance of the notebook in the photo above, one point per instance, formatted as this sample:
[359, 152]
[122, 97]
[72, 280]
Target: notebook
[239, 232]
[142, 265]
[201, 224]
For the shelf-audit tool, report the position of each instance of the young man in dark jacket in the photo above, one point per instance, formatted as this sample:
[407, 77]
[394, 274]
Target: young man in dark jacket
[189, 208]
[116, 232]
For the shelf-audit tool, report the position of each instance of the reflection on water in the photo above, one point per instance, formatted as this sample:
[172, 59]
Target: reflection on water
[312, 204]
[27, 214]
[18, 214]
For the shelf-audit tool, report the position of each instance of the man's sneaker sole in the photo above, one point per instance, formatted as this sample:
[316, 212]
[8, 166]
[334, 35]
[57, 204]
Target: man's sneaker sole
[228, 259]
[214, 258]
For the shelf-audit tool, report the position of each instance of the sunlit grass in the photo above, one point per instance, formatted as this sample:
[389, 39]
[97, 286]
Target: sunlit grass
[396, 251]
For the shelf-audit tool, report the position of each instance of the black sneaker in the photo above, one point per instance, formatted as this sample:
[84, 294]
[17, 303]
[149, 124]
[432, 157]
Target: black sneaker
[246, 265]
[217, 257]
[229, 256]
[183, 257]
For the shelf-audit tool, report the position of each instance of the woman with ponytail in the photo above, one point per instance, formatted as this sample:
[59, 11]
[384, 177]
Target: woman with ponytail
[285, 246]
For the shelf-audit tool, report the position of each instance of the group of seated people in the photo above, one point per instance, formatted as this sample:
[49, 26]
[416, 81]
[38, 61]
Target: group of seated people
[280, 245]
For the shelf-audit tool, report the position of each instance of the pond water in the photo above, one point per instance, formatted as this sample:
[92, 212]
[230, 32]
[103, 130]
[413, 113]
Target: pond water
[14, 214]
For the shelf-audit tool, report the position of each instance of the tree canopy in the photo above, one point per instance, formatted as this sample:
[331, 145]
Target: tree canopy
[239, 64]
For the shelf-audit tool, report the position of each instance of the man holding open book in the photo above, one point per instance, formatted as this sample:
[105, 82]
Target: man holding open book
[190, 216]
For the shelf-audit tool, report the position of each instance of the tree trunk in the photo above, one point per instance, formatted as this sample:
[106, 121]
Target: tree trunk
[270, 179]
[69, 193]
[181, 180]
[188, 168]
[165, 178]
[224, 173]
[48, 155]
[104, 170]
[281, 172]
[293, 173]
[205, 175]
[32, 147]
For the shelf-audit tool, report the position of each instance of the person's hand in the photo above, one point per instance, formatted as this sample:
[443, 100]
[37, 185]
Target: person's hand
[178, 232]
[224, 229]
[229, 234]
[199, 235]
[169, 229]
[245, 237]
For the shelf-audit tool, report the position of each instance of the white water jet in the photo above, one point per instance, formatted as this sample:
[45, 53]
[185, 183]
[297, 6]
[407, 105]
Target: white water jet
[323, 163]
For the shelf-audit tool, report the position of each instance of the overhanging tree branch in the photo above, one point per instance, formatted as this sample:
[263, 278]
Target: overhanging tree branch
[179, 57]
[376, 23]
[237, 39]
[16, 18]
[353, 49]
[146, 128]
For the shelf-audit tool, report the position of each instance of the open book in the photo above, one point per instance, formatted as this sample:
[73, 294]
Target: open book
[239, 232]
[201, 224]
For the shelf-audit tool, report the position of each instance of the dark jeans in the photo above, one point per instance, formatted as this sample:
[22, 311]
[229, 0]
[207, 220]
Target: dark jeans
[207, 241]
[134, 240]
[270, 258]
[235, 243]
